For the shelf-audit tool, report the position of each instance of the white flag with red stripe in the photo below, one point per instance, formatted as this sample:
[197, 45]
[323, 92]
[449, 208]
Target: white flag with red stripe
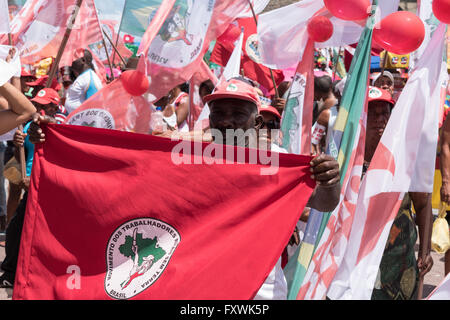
[400, 164]
[177, 38]
[282, 33]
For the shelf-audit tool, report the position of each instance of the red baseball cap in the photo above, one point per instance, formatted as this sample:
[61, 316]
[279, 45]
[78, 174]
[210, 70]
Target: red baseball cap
[234, 89]
[269, 109]
[26, 73]
[47, 96]
[42, 81]
[377, 94]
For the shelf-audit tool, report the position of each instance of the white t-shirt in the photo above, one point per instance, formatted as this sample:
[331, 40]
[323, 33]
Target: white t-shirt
[275, 286]
[85, 86]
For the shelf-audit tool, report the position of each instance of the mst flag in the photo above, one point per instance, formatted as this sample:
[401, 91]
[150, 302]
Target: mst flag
[113, 108]
[401, 163]
[178, 37]
[112, 204]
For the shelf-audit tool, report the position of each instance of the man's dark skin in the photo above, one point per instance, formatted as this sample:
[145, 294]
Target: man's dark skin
[239, 114]
[445, 170]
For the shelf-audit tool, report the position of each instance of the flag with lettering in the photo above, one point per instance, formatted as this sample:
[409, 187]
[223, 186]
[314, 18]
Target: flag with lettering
[179, 35]
[119, 215]
[401, 163]
[297, 116]
[113, 108]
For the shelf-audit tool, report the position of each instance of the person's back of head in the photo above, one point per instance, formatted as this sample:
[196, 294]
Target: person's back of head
[322, 87]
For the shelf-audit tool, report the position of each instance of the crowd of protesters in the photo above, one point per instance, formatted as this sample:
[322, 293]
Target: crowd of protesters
[28, 102]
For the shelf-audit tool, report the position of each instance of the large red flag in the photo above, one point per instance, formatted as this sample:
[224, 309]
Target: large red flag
[113, 108]
[118, 215]
[251, 60]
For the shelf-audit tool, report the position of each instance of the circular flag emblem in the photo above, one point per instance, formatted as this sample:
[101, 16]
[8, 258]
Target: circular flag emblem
[251, 47]
[232, 87]
[41, 93]
[96, 118]
[375, 93]
[137, 254]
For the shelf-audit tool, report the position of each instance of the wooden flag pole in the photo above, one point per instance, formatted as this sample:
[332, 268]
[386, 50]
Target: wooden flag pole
[70, 25]
[115, 48]
[118, 32]
[271, 72]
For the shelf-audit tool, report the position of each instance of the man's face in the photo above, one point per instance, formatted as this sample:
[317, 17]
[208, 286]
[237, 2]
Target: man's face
[233, 114]
[385, 83]
[49, 109]
[377, 119]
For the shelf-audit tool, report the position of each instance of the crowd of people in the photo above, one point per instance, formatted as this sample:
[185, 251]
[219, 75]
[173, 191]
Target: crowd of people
[29, 102]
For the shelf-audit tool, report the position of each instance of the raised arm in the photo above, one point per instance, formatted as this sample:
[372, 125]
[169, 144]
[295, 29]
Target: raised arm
[20, 108]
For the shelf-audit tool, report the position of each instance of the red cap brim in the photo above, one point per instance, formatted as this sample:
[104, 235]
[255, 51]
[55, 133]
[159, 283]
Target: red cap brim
[220, 96]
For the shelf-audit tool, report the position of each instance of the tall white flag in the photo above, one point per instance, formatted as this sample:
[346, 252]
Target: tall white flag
[404, 161]
[442, 291]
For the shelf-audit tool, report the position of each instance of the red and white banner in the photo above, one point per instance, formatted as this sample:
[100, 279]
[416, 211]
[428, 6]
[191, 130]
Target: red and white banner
[113, 108]
[400, 164]
[258, 7]
[177, 38]
[163, 235]
[282, 33]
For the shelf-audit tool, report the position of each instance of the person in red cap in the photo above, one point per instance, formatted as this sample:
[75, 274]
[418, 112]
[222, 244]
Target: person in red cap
[272, 120]
[41, 83]
[25, 78]
[399, 271]
[234, 105]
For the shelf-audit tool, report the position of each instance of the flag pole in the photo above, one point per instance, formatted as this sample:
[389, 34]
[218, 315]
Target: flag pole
[271, 72]
[118, 32]
[70, 25]
[115, 48]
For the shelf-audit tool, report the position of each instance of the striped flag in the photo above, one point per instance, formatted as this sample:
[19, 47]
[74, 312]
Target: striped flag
[282, 33]
[347, 145]
[401, 163]
[177, 38]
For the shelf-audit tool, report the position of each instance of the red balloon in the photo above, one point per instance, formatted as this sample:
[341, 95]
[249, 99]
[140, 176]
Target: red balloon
[400, 32]
[135, 82]
[441, 10]
[320, 29]
[349, 9]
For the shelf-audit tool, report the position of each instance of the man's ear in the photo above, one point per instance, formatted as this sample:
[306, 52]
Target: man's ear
[259, 122]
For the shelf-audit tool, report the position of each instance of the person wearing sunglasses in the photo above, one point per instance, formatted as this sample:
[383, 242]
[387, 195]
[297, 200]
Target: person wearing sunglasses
[272, 120]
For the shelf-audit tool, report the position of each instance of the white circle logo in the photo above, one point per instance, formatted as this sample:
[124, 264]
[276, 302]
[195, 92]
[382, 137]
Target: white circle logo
[41, 93]
[251, 47]
[137, 254]
[96, 118]
[232, 87]
[375, 93]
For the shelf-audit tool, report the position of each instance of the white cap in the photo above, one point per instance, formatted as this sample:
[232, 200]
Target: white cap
[385, 73]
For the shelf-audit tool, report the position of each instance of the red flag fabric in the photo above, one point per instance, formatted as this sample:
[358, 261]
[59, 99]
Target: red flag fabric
[137, 223]
[251, 59]
[113, 108]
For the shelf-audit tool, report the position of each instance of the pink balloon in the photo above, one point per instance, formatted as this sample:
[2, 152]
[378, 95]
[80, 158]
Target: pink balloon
[400, 32]
[320, 29]
[135, 82]
[350, 10]
[441, 10]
